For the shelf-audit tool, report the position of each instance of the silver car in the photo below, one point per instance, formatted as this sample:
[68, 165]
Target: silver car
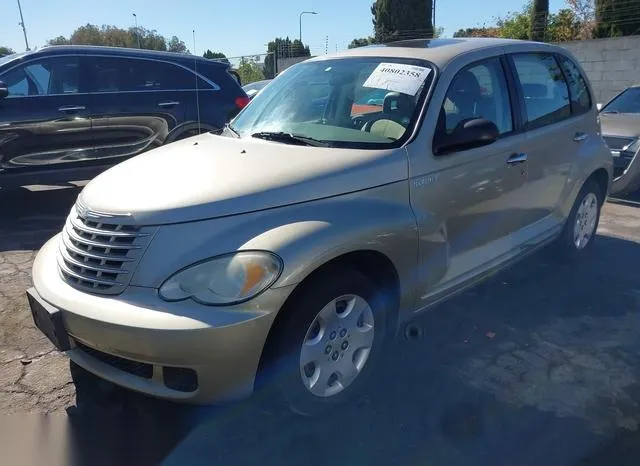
[291, 248]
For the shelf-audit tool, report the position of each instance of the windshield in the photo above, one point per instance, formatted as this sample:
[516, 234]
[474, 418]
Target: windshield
[627, 102]
[362, 102]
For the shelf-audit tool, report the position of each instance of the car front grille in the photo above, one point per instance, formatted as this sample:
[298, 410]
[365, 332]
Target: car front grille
[617, 142]
[98, 256]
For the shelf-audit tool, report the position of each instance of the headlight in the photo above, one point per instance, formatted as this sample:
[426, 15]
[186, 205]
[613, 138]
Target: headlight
[229, 279]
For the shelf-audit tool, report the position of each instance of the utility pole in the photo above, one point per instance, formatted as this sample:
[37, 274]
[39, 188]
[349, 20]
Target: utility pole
[135, 17]
[305, 13]
[24, 29]
[326, 45]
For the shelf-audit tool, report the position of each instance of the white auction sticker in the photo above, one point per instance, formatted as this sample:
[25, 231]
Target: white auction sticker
[398, 77]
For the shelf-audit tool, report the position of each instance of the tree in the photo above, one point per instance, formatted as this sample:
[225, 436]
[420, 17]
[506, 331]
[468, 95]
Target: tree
[584, 11]
[516, 25]
[60, 40]
[113, 36]
[218, 56]
[402, 19]
[563, 26]
[176, 45]
[282, 48]
[617, 18]
[540, 16]
[483, 31]
[249, 72]
[4, 51]
[362, 42]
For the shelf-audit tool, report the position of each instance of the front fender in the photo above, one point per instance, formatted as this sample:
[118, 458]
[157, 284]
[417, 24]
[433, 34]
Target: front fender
[305, 236]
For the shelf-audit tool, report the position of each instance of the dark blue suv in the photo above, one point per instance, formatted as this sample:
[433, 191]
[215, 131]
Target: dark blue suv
[70, 112]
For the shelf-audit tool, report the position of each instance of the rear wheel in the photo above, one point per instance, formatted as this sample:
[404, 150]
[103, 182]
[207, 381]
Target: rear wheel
[326, 345]
[580, 230]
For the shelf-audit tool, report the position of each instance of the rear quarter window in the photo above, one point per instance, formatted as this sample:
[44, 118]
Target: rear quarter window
[580, 97]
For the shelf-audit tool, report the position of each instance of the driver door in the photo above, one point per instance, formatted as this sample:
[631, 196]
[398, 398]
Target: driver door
[43, 120]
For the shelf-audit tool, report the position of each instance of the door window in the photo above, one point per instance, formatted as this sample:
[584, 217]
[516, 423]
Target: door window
[49, 76]
[545, 91]
[580, 98]
[123, 74]
[478, 91]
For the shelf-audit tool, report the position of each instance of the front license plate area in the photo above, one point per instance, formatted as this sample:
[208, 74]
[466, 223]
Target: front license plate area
[49, 321]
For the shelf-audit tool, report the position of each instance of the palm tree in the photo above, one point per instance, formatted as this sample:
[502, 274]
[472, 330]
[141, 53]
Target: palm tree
[540, 13]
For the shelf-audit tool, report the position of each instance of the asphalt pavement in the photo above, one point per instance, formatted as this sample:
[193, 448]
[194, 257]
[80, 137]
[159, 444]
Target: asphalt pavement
[538, 365]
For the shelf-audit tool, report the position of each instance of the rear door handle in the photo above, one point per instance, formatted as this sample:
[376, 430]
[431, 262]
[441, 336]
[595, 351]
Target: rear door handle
[71, 108]
[172, 103]
[580, 136]
[515, 159]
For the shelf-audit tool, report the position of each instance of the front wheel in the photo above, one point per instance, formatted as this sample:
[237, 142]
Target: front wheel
[580, 229]
[327, 343]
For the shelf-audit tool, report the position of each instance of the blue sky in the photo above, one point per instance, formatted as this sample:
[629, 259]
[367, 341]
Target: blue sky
[235, 28]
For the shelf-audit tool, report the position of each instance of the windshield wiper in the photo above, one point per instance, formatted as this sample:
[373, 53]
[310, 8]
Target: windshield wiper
[610, 111]
[281, 136]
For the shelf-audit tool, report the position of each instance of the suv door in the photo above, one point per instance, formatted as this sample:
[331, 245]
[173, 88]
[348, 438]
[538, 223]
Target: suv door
[557, 123]
[44, 120]
[475, 195]
[135, 104]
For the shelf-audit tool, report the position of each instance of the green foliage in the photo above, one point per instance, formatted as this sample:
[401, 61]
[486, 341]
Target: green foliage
[616, 18]
[113, 36]
[483, 31]
[355, 43]
[282, 48]
[402, 19]
[215, 56]
[249, 72]
[516, 25]
[563, 26]
[4, 51]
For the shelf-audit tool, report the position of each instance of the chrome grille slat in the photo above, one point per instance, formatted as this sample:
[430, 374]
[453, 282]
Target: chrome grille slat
[94, 255]
[85, 265]
[100, 256]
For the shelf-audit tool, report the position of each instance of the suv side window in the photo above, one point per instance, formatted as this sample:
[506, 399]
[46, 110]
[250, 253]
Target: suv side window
[580, 98]
[478, 91]
[545, 91]
[117, 74]
[49, 76]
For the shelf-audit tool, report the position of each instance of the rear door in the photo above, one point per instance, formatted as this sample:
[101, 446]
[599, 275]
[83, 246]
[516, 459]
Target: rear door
[44, 120]
[556, 126]
[135, 104]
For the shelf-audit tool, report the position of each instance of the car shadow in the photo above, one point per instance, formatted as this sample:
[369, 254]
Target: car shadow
[540, 364]
[29, 218]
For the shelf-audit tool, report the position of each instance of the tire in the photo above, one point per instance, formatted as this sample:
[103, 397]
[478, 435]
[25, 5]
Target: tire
[576, 241]
[328, 341]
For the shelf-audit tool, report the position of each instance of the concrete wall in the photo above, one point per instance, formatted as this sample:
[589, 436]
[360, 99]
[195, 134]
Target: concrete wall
[284, 63]
[611, 64]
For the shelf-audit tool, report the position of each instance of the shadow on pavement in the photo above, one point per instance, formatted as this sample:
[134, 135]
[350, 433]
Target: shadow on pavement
[29, 218]
[538, 365]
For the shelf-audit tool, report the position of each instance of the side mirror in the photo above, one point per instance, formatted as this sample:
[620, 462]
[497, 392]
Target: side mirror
[468, 134]
[4, 90]
[599, 106]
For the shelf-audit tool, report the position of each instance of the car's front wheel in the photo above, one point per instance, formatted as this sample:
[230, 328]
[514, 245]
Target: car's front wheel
[326, 345]
[580, 229]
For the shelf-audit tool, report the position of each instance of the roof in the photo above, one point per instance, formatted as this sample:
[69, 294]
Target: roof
[131, 52]
[437, 51]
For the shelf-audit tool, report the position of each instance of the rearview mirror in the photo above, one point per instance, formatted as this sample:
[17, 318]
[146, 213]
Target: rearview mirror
[468, 134]
[4, 90]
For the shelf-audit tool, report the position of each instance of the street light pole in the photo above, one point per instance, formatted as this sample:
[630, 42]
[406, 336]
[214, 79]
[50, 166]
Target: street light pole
[305, 13]
[135, 17]
[24, 29]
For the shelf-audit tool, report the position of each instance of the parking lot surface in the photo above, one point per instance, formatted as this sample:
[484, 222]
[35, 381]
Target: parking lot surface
[538, 365]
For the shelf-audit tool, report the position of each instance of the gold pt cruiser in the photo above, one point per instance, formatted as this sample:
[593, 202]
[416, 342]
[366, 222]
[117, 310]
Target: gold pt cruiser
[354, 192]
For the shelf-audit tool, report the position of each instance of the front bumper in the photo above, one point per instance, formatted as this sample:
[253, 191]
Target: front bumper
[221, 345]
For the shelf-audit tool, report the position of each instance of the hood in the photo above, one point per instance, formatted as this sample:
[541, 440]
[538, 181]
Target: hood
[620, 124]
[210, 176]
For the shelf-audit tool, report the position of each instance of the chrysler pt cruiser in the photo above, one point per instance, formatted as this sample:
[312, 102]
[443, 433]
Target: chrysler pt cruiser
[292, 247]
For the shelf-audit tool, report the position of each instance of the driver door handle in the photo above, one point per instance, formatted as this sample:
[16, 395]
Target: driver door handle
[172, 103]
[516, 159]
[580, 136]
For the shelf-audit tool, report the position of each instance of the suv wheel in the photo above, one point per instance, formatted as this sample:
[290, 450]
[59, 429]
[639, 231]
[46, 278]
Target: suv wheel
[580, 230]
[328, 341]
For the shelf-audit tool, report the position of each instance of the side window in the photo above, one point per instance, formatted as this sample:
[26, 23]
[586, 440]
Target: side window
[123, 74]
[580, 98]
[50, 76]
[545, 91]
[478, 91]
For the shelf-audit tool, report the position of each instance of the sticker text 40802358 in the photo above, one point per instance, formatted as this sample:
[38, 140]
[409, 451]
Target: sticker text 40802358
[398, 77]
[401, 72]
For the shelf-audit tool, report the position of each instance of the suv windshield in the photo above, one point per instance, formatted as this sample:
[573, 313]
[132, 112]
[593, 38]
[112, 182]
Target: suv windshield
[323, 101]
[627, 102]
